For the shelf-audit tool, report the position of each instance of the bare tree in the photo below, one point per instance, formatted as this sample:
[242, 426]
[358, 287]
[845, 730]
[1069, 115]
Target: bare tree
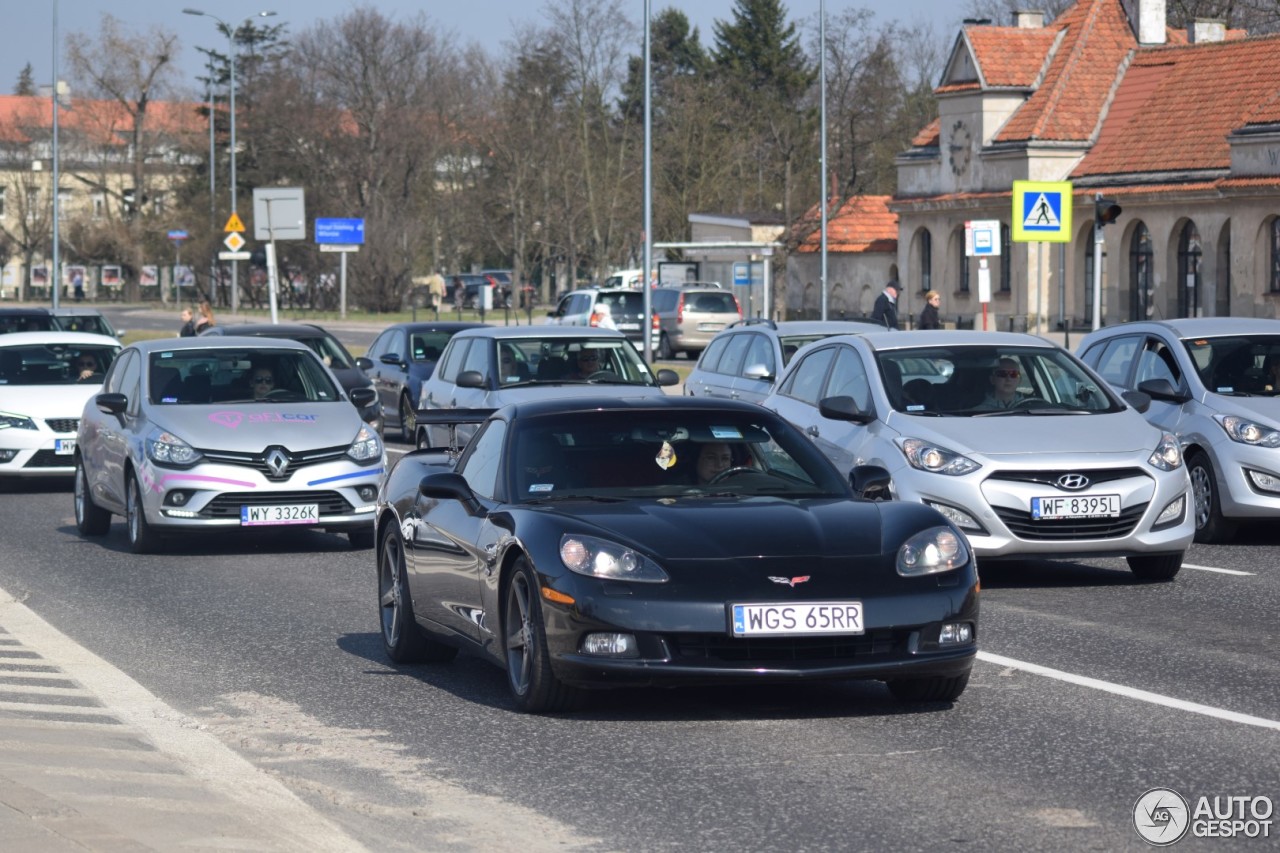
[132, 71]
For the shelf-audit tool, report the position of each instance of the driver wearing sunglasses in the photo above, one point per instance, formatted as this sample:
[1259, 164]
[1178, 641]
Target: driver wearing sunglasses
[1004, 393]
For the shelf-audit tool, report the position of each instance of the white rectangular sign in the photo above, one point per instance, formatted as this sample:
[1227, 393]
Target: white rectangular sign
[982, 238]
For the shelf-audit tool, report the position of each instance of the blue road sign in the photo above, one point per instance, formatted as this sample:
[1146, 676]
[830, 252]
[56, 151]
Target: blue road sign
[742, 274]
[349, 231]
[178, 235]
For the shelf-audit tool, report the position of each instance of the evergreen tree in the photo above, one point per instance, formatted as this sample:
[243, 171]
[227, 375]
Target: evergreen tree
[675, 54]
[26, 84]
[760, 50]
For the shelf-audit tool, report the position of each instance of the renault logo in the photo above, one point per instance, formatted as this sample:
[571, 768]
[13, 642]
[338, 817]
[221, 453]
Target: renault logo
[1072, 482]
[278, 462]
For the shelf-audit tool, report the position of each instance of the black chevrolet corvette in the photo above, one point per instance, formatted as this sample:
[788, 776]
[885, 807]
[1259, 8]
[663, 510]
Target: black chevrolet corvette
[588, 543]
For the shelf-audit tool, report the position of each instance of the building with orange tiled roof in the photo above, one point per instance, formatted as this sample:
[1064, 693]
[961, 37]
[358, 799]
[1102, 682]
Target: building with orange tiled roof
[96, 141]
[862, 240]
[1180, 127]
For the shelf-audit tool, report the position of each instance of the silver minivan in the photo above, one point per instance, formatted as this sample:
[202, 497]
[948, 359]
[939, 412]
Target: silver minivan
[689, 316]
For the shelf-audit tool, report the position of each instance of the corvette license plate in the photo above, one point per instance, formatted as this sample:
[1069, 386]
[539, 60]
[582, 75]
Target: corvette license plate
[64, 446]
[1079, 506]
[280, 514]
[793, 619]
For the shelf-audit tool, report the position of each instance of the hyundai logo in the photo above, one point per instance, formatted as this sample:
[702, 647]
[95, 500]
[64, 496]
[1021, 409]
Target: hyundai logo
[1072, 482]
[278, 462]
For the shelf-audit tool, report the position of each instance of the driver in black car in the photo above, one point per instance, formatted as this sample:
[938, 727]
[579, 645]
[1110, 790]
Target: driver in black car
[714, 458]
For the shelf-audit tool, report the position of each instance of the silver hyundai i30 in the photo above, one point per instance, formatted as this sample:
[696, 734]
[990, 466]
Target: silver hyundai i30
[229, 432]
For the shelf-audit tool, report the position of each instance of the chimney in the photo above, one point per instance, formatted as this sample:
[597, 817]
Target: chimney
[1151, 22]
[1028, 19]
[1203, 30]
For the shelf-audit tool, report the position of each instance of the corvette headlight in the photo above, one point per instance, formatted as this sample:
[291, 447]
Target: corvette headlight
[366, 447]
[1168, 455]
[1248, 432]
[9, 420]
[939, 460]
[938, 549]
[165, 448]
[599, 558]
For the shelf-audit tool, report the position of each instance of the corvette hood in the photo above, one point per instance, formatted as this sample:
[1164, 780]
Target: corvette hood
[738, 528]
[249, 427]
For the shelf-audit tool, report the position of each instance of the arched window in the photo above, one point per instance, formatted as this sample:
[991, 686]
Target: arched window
[1188, 282]
[1088, 286]
[1222, 305]
[1006, 259]
[926, 260]
[963, 261]
[1275, 256]
[1140, 285]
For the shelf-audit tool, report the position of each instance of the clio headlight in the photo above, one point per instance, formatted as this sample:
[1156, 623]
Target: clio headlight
[939, 460]
[599, 558]
[1248, 432]
[1168, 455]
[938, 549]
[366, 447]
[165, 448]
[9, 420]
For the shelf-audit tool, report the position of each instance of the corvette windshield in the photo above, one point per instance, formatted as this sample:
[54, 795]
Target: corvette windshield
[666, 454]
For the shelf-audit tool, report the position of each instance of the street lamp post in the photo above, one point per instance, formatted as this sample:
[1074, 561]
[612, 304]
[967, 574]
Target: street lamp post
[231, 61]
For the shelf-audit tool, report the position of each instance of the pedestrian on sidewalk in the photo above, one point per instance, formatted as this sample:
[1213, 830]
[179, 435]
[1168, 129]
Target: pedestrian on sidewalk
[885, 311]
[929, 318]
[188, 324]
[205, 320]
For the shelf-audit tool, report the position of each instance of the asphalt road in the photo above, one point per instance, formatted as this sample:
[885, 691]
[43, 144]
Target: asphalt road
[271, 644]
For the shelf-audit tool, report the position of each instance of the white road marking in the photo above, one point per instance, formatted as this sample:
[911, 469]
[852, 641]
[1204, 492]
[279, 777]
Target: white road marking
[1131, 692]
[1219, 571]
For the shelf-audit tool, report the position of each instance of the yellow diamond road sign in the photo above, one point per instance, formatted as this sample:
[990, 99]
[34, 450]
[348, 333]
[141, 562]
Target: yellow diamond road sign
[234, 224]
[234, 242]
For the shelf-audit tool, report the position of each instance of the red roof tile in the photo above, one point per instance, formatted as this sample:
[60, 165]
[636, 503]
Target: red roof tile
[105, 121]
[1177, 105]
[1010, 57]
[863, 223]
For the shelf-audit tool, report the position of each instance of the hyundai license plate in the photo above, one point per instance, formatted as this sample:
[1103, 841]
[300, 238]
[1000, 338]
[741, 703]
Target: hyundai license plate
[280, 514]
[1077, 506]
[64, 446]
[792, 618]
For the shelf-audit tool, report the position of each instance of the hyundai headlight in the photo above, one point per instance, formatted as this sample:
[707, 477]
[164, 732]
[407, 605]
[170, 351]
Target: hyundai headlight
[1168, 455]
[938, 549]
[1249, 432]
[939, 460]
[9, 420]
[366, 447]
[599, 558]
[165, 448]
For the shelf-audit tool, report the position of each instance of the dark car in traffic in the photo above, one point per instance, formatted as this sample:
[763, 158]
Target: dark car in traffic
[622, 541]
[402, 357]
[335, 356]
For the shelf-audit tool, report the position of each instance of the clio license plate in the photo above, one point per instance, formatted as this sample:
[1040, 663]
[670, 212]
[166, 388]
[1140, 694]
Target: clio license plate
[279, 514]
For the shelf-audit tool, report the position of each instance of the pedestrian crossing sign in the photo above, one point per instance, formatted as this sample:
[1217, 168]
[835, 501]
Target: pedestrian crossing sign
[1041, 212]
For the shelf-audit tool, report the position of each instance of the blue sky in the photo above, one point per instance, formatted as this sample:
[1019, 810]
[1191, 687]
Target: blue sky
[29, 25]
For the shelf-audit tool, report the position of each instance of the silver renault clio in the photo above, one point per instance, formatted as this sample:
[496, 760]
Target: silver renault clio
[229, 432]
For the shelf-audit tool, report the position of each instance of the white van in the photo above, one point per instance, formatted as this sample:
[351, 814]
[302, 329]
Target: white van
[625, 278]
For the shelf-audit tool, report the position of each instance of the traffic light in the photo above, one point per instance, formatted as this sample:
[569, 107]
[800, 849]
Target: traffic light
[258, 257]
[1106, 211]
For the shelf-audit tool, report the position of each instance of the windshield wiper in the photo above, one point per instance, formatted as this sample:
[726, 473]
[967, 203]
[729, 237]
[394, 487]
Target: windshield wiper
[572, 497]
